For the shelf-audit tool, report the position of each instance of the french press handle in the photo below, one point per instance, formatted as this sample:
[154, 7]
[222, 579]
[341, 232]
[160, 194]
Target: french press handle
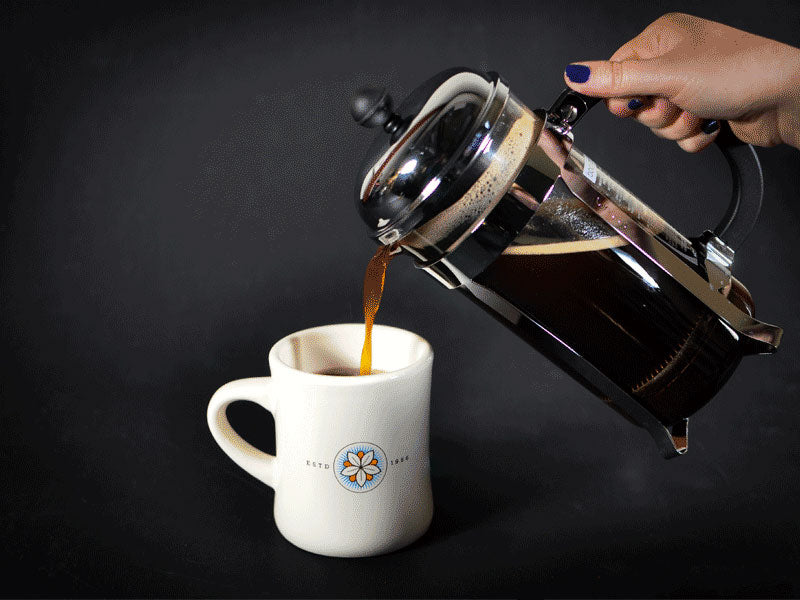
[747, 179]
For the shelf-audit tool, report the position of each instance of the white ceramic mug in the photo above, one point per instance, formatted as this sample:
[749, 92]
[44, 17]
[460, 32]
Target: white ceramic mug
[351, 468]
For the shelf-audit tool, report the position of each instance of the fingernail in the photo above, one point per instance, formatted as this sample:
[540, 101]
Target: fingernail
[635, 104]
[578, 73]
[710, 127]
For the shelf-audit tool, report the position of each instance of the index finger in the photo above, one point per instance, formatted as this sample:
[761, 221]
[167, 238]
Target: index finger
[654, 41]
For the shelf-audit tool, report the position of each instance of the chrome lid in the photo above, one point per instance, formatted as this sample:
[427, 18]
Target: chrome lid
[431, 154]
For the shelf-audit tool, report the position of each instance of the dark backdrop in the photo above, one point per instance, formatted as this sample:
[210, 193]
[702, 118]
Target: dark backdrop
[177, 195]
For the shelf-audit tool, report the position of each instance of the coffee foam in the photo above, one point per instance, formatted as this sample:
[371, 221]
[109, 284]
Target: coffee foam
[490, 187]
[570, 247]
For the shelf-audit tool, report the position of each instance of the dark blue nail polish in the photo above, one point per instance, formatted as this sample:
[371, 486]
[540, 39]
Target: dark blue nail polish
[710, 127]
[578, 73]
[635, 104]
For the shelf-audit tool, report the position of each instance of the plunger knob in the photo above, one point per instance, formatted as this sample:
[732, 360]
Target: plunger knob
[372, 107]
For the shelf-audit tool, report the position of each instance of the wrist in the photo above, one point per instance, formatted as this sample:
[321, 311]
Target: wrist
[788, 109]
[789, 125]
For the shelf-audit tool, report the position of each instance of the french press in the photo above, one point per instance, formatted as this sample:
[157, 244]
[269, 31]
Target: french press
[494, 199]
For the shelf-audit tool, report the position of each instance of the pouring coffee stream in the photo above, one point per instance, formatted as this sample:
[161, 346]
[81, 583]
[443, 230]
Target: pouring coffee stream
[494, 200]
[374, 278]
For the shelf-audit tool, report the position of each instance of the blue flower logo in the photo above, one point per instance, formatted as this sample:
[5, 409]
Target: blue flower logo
[360, 467]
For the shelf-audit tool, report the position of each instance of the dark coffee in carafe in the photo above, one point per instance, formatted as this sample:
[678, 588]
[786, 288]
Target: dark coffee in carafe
[616, 309]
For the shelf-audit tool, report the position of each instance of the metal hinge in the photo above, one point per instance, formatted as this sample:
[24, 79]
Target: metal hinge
[718, 262]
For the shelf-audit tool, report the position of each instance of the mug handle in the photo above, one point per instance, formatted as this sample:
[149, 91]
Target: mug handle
[254, 389]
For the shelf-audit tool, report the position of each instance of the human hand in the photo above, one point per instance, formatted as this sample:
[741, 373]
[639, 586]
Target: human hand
[683, 74]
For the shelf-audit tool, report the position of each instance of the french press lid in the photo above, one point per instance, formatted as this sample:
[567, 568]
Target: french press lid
[429, 152]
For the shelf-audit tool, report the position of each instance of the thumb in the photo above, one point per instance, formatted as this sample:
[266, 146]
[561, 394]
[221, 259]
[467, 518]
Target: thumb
[613, 79]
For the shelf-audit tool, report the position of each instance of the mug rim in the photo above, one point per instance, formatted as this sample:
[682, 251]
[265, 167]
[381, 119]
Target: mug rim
[349, 380]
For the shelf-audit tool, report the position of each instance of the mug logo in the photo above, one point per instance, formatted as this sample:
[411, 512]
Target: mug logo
[360, 467]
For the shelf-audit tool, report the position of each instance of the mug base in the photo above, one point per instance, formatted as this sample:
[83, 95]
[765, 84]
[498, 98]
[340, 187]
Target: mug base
[354, 550]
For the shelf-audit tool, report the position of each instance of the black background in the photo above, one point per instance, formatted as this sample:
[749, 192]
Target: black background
[178, 195]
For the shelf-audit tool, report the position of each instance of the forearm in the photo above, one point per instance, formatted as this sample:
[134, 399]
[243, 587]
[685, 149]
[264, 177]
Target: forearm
[788, 112]
[789, 125]
[786, 91]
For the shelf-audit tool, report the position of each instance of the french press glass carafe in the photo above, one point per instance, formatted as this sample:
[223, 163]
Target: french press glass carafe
[494, 200]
